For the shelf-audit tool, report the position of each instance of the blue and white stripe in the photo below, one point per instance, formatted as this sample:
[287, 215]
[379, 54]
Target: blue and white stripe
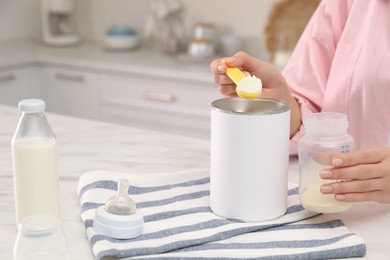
[180, 224]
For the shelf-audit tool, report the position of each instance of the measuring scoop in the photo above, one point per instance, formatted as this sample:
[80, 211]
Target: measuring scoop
[248, 87]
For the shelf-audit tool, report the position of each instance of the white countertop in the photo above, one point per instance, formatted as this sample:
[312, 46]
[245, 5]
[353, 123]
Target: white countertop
[90, 145]
[96, 58]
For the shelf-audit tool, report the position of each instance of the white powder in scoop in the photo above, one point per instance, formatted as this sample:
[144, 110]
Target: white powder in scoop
[250, 84]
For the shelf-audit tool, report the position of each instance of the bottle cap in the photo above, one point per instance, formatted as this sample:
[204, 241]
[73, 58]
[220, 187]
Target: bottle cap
[119, 218]
[32, 105]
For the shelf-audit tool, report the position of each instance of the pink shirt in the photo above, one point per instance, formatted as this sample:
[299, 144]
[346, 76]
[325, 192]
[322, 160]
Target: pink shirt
[342, 64]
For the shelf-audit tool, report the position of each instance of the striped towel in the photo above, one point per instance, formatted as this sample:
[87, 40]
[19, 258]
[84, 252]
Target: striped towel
[179, 223]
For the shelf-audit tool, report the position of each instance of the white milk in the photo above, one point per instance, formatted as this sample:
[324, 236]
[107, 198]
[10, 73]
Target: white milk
[312, 199]
[35, 176]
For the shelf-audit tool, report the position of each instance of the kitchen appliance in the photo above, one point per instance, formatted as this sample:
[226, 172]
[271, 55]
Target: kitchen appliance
[249, 158]
[57, 23]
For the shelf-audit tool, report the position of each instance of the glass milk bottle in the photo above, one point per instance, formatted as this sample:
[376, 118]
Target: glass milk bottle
[35, 165]
[325, 136]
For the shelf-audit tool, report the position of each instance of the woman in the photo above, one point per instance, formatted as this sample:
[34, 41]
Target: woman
[340, 64]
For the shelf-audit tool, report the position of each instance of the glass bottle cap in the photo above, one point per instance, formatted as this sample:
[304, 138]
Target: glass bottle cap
[32, 105]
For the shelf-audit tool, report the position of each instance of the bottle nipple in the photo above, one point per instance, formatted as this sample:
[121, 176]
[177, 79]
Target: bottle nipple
[121, 203]
[119, 217]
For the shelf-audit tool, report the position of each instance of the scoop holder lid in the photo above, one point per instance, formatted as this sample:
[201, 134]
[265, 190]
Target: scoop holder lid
[119, 217]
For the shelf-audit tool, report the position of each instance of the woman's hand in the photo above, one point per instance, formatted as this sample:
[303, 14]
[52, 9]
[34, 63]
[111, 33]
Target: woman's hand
[274, 84]
[366, 176]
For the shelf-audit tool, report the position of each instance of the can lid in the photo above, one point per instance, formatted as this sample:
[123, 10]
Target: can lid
[258, 106]
[32, 105]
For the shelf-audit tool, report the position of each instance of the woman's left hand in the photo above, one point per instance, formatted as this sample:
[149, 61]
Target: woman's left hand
[365, 176]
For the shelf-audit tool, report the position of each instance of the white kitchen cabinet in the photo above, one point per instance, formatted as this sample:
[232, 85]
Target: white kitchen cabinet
[142, 88]
[21, 83]
[72, 92]
[171, 105]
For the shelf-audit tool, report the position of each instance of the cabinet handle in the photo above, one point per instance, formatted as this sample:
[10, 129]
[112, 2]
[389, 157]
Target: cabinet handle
[155, 96]
[7, 78]
[69, 77]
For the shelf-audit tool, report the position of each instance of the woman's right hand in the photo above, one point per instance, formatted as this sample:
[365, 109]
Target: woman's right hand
[274, 84]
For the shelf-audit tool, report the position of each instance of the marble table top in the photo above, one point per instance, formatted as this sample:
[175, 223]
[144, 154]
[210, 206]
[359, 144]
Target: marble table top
[86, 145]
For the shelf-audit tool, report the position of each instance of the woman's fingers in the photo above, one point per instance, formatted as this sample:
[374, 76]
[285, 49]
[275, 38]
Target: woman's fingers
[217, 67]
[366, 176]
[362, 197]
[360, 172]
[352, 186]
[226, 85]
[358, 190]
[361, 157]
[228, 90]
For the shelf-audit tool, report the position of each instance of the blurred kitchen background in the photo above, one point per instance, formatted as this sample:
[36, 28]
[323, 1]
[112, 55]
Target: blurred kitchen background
[21, 19]
[140, 63]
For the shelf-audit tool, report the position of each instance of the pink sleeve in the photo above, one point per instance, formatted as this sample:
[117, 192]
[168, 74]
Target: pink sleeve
[308, 68]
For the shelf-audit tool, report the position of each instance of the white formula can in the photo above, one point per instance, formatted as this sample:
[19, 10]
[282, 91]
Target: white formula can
[249, 158]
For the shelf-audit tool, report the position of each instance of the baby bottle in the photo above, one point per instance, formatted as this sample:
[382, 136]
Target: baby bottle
[325, 136]
[35, 166]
